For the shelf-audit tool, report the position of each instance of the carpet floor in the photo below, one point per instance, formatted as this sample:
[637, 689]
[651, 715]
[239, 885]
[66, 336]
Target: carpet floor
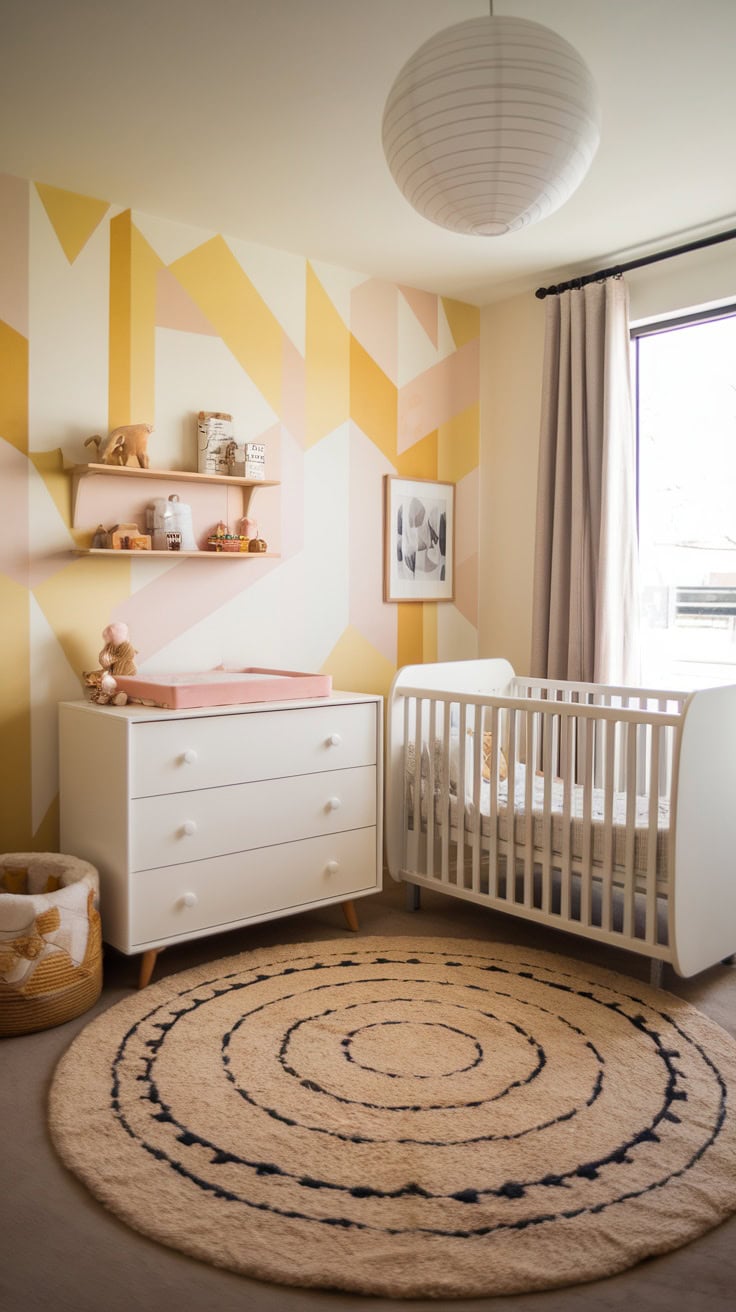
[64, 1250]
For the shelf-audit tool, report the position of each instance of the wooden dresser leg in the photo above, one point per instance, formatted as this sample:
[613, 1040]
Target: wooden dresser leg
[351, 916]
[148, 961]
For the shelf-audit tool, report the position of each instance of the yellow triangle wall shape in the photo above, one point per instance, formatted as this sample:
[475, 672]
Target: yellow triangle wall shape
[73, 217]
[356, 665]
[373, 400]
[226, 296]
[134, 267]
[327, 363]
[50, 465]
[410, 639]
[13, 387]
[459, 445]
[79, 601]
[463, 320]
[420, 461]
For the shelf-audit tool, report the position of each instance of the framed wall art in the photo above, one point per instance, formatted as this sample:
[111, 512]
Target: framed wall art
[419, 540]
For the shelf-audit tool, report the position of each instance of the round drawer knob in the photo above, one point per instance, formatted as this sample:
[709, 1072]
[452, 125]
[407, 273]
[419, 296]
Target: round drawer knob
[189, 756]
[190, 826]
[332, 867]
[334, 739]
[189, 899]
[333, 804]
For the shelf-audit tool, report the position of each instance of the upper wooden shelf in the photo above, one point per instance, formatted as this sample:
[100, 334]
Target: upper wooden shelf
[169, 475]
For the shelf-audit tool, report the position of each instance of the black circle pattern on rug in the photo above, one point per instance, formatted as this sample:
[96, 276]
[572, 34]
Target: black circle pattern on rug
[473, 1110]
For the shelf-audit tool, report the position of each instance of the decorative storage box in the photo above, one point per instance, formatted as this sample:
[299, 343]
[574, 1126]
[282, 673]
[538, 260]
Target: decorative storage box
[215, 444]
[254, 455]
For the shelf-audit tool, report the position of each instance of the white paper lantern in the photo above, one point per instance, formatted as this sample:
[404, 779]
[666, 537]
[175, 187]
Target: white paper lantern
[491, 125]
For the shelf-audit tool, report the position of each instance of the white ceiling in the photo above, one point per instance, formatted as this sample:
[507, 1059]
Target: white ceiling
[261, 119]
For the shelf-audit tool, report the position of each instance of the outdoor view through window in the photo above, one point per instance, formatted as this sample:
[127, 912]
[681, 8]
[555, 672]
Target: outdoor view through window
[687, 502]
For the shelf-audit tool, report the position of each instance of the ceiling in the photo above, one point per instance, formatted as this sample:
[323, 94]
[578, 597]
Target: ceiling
[261, 119]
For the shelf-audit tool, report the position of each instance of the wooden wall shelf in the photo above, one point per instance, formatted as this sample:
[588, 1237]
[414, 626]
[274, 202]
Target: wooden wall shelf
[173, 556]
[108, 494]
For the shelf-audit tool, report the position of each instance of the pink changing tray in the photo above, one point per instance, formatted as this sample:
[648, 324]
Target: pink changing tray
[223, 687]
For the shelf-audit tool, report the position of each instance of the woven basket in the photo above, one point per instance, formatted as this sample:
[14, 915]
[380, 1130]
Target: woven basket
[50, 940]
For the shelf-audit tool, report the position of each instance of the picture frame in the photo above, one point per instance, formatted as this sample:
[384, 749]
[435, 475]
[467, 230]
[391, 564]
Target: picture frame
[419, 539]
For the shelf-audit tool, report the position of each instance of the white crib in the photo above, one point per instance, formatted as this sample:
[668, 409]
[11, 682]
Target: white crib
[616, 818]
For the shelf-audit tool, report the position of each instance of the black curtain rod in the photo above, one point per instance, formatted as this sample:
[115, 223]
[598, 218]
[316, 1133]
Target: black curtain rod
[615, 272]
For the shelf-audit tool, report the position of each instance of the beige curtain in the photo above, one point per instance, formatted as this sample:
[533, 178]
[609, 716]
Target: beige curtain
[586, 599]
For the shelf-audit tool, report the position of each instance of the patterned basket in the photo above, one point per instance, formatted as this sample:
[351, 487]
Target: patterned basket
[50, 940]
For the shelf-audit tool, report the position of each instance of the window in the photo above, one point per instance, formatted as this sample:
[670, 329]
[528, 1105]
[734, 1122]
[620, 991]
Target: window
[685, 374]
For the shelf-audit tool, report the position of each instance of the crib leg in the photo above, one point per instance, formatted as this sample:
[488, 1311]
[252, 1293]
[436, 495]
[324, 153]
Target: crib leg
[655, 973]
[413, 893]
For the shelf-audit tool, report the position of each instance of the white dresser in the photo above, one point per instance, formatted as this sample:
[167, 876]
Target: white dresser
[203, 820]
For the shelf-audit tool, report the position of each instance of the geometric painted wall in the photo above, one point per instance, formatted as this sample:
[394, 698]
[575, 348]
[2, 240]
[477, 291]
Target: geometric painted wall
[109, 316]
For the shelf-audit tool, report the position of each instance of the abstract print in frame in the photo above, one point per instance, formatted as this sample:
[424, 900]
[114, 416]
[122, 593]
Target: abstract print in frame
[419, 540]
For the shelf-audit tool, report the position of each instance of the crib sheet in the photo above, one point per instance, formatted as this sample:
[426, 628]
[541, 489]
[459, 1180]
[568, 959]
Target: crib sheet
[578, 848]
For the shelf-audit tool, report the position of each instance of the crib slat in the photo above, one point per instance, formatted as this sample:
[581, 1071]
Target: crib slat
[511, 809]
[530, 754]
[413, 835]
[445, 801]
[431, 786]
[652, 935]
[611, 733]
[461, 795]
[567, 782]
[587, 729]
[475, 834]
[630, 840]
[549, 738]
[493, 807]
[599, 753]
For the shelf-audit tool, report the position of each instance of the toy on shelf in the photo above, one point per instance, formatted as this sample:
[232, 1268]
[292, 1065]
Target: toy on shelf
[116, 658]
[128, 537]
[127, 445]
[221, 539]
[250, 541]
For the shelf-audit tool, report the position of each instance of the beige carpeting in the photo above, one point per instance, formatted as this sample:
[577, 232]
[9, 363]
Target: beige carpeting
[487, 1118]
[62, 1249]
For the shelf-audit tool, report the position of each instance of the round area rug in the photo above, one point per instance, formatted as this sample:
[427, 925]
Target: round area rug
[404, 1117]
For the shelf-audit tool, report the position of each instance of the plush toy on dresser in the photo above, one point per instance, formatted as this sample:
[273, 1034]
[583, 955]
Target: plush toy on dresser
[117, 657]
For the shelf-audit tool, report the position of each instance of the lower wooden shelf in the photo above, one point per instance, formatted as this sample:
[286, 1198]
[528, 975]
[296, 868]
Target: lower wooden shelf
[176, 555]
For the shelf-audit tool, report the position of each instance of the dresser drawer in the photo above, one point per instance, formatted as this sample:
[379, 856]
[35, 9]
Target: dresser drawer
[184, 900]
[183, 755]
[180, 827]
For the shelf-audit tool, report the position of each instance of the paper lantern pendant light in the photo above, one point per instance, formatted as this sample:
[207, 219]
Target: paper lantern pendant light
[491, 125]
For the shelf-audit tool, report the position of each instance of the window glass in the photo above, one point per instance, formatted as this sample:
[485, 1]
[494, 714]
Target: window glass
[686, 398]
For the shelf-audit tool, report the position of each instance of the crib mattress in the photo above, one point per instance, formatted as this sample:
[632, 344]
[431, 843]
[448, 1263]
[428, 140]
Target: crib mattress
[554, 823]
